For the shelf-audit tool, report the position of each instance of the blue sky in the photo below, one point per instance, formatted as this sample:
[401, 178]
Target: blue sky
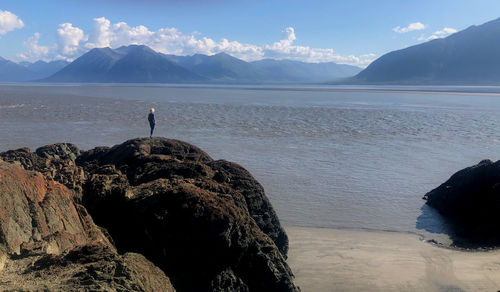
[351, 32]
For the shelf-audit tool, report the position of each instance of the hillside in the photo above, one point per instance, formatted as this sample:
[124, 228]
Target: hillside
[468, 57]
[295, 71]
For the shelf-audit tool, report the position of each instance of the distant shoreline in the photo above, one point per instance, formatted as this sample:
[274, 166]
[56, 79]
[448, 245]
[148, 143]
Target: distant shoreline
[412, 89]
[388, 90]
[448, 90]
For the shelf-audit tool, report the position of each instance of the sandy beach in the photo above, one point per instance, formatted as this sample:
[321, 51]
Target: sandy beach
[347, 260]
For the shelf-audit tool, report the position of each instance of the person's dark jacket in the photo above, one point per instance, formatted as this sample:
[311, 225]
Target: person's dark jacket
[151, 119]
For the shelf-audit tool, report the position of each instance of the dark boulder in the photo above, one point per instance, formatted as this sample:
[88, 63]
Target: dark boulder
[192, 216]
[258, 204]
[471, 199]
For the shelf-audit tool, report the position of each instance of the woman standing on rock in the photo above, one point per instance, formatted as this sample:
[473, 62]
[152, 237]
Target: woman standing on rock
[151, 119]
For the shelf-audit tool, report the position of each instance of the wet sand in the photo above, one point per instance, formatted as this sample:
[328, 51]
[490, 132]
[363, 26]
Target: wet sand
[347, 260]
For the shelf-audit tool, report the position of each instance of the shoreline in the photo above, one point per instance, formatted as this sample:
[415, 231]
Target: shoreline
[471, 247]
[385, 90]
[308, 87]
[355, 260]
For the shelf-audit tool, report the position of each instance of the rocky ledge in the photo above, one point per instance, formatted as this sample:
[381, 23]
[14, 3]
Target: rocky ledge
[146, 215]
[471, 200]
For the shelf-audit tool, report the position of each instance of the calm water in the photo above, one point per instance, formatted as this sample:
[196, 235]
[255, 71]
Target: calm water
[326, 158]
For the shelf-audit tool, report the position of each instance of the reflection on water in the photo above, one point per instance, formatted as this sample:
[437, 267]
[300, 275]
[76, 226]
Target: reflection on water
[325, 158]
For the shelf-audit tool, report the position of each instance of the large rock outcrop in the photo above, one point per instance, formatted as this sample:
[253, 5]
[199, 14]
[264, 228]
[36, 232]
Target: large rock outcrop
[50, 243]
[471, 199]
[207, 224]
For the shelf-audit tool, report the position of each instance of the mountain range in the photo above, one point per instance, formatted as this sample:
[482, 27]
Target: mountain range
[225, 68]
[468, 57]
[25, 71]
[141, 64]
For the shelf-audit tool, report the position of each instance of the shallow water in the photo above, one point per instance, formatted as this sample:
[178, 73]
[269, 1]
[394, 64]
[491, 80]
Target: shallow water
[326, 157]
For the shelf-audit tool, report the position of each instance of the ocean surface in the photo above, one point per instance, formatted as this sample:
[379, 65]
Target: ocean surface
[334, 157]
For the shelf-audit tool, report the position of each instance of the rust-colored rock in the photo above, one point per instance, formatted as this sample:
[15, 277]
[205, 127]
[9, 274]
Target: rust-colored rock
[55, 162]
[50, 243]
[39, 216]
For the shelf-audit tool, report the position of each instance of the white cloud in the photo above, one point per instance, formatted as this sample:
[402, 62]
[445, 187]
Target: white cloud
[34, 50]
[9, 22]
[429, 38]
[411, 27]
[100, 36]
[284, 49]
[70, 38]
[72, 42]
[370, 55]
[165, 40]
[438, 34]
[288, 35]
[445, 31]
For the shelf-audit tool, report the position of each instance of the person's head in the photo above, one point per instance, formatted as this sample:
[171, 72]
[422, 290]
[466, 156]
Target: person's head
[152, 110]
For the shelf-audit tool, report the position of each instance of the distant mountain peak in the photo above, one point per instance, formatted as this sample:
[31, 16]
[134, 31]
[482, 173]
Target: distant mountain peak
[223, 54]
[134, 63]
[103, 49]
[40, 62]
[136, 48]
